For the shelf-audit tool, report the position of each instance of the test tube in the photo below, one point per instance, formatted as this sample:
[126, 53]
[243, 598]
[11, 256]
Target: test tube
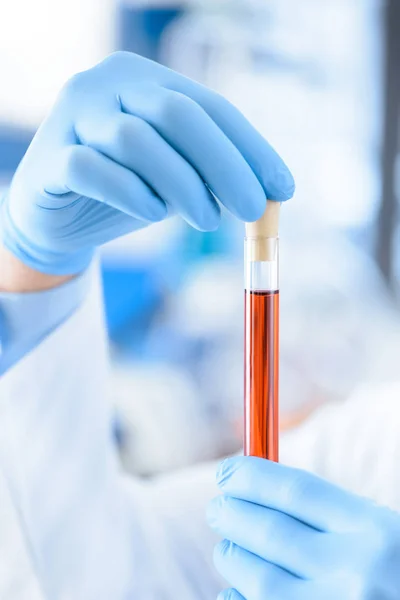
[261, 360]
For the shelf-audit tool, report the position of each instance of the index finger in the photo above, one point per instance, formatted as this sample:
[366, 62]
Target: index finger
[266, 164]
[269, 168]
[297, 493]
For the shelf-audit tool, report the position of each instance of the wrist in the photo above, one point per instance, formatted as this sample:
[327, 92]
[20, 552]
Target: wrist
[17, 277]
[39, 262]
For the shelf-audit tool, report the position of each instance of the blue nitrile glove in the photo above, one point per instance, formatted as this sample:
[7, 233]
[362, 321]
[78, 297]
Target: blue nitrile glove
[292, 536]
[130, 142]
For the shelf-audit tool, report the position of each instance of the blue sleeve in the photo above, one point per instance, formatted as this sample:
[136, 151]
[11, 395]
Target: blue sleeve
[26, 319]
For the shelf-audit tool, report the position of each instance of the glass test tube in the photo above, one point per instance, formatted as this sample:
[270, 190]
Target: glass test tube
[261, 361]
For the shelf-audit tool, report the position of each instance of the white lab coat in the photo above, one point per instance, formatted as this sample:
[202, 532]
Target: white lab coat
[73, 527]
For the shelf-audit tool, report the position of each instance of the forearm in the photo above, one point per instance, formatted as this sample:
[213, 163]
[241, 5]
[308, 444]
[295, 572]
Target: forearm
[32, 306]
[16, 277]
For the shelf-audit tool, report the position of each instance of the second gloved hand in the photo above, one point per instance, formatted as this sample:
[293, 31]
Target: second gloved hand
[130, 142]
[292, 536]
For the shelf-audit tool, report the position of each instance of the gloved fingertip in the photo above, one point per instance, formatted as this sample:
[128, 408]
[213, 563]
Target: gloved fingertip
[213, 511]
[253, 211]
[222, 549]
[226, 468]
[227, 595]
[209, 224]
[157, 211]
[282, 187]
[220, 469]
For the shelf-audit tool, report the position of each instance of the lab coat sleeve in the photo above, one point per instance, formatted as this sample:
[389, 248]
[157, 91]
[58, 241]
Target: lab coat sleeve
[86, 531]
[354, 444]
[26, 319]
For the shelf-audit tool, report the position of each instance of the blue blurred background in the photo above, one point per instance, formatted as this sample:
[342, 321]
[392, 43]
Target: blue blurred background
[319, 79]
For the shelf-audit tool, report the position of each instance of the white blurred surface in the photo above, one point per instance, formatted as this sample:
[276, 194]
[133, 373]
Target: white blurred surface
[156, 3]
[42, 44]
[164, 422]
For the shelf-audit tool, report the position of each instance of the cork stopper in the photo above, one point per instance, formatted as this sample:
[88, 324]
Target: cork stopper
[261, 233]
[268, 224]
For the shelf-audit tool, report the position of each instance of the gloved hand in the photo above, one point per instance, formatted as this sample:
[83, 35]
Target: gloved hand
[130, 142]
[292, 536]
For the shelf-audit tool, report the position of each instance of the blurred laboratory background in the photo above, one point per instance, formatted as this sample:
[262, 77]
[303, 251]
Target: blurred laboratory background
[321, 80]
